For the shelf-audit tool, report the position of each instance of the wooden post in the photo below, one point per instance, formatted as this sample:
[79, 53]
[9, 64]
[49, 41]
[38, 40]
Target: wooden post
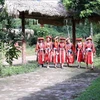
[23, 40]
[74, 32]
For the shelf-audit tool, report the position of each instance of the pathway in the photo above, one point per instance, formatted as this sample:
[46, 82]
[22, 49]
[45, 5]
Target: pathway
[47, 84]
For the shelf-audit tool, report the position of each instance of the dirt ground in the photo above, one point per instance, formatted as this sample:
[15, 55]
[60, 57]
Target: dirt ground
[47, 83]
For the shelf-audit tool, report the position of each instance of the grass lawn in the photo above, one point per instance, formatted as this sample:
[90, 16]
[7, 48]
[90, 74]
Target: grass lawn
[18, 69]
[92, 92]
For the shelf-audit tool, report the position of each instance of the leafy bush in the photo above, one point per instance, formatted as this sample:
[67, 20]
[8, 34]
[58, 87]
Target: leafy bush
[38, 32]
[8, 38]
[97, 43]
[11, 53]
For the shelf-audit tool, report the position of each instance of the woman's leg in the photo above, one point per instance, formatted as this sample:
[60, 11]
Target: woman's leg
[48, 65]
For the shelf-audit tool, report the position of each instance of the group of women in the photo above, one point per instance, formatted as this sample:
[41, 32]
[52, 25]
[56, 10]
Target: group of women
[62, 51]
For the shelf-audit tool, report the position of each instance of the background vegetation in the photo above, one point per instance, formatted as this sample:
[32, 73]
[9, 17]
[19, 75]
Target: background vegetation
[7, 39]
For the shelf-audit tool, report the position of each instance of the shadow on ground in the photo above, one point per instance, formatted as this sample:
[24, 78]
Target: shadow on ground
[66, 90]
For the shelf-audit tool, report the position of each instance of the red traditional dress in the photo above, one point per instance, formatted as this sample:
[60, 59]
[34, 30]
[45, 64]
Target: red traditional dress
[62, 53]
[89, 51]
[55, 52]
[48, 52]
[69, 53]
[40, 47]
[79, 51]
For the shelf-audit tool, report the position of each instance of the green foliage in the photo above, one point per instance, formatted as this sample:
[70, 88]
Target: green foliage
[97, 62]
[43, 31]
[97, 43]
[83, 8]
[19, 69]
[2, 2]
[3, 15]
[92, 92]
[16, 23]
[38, 32]
[83, 30]
[8, 38]
[11, 53]
[96, 28]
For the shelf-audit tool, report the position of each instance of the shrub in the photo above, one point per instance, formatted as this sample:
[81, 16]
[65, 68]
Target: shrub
[97, 43]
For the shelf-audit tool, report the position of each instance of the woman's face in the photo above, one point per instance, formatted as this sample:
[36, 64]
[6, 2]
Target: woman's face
[48, 39]
[68, 40]
[62, 40]
[56, 40]
[89, 41]
[80, 41]
[41, 41]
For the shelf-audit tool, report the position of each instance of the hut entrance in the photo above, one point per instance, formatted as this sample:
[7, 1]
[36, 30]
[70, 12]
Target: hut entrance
[52, 13]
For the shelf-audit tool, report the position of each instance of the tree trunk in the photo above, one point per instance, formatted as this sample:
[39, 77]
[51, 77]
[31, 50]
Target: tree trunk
[74, 33]
[23, 40]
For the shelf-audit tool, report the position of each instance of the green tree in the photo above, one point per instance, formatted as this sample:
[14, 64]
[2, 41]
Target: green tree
[7, 39]
[83, 8]
[1, 2]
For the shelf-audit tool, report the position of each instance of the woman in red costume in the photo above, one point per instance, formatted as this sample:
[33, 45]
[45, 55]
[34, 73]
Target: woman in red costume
[48, 50]
[62, 53]
[89, 51]
[40, 47]
[55, 51]
[79, 51]
[69, 52]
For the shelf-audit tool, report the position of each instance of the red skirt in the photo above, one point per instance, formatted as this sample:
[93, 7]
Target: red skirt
[62, 55]
[55, 57]
[69, 58]
[48, 57]
[80, 56]
[41, 57]
[89, 57]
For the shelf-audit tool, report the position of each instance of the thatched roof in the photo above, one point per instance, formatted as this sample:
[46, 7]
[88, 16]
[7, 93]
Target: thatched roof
[48, 12]
[31, 7]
